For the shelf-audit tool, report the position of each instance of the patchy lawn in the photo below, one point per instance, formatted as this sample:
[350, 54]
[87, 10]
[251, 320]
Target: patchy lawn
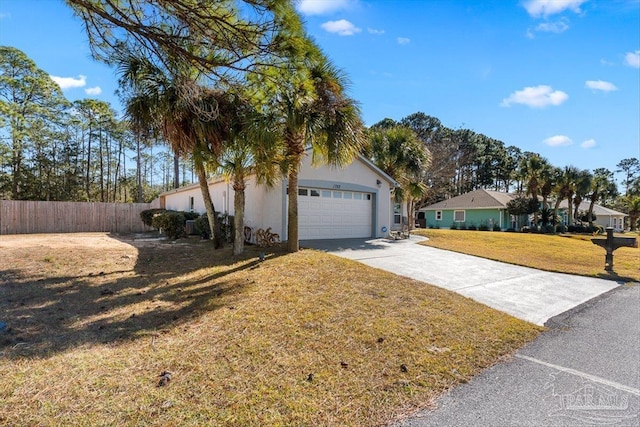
[574, 254]
[301, 339]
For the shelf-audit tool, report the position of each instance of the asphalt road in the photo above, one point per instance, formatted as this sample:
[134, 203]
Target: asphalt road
[583, 371]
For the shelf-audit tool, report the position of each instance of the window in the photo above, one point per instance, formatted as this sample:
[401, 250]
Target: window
[302, 192]
[458, 216]
[357, 196]
[438, 215]
[397, 213]
[348, 195]
[326, 193]
[191, 204]
[314, 193]
[337, 194]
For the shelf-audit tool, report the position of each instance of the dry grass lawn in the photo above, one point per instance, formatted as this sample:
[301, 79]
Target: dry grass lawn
[574, 254]
[299, 339]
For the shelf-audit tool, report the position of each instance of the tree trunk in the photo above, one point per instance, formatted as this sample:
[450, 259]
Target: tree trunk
[293, 244]
[214, 226]
[139, 170]
[238, 213]
[555, 210]
[594, 197]
[295, 152]
[176, 171]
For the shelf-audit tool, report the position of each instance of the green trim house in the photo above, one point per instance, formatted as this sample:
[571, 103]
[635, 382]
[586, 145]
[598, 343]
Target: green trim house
[479, 207]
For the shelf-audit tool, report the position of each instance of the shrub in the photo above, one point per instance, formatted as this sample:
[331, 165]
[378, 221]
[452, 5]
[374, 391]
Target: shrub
[202, 226]
[190, 216]
[561, 228]
[454, 226]
[463, 226]
[525, 229]
[496, 227]
[226, 226]
[483, 227]
[548, 229]
[511, 230]
[147, 215]
[472, 226]
[171, 223]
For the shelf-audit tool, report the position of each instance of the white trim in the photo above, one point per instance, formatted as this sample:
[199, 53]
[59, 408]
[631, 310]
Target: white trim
[464, 215]
[439, 215]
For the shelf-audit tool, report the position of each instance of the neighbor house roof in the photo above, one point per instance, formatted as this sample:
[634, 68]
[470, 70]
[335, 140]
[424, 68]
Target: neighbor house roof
[478, 199]
[597, 209]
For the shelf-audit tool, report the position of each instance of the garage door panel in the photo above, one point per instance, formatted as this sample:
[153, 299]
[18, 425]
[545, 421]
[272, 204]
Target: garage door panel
[331, 217]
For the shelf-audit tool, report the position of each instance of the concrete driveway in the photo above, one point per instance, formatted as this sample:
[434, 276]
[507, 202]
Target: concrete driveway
[525, 293]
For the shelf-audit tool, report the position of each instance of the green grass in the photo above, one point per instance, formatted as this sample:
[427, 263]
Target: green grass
[574, 254]
[300, 339]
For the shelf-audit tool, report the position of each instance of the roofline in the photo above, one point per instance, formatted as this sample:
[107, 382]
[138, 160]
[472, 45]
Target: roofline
[217, 179]
[379, 171]
[447, 208]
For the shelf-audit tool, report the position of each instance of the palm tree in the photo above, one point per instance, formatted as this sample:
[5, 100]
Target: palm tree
[533, 169]
[193, 119]
[309, 108]
[399, 152]
[600, 183]
[634, 211]
[251, 149]
[564, 189]
[582, 187]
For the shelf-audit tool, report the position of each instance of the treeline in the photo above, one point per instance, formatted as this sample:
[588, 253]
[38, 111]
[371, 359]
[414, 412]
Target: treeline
[461, 160]
[54, 149]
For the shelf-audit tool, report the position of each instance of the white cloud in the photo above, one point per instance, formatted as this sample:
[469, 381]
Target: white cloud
[600, 85]
[341, 27]
[70, 82]
[543, 8]
[558, 141]
[553, 27]
[403, 40]
[321, 7]
[589, 143]
[536, 97]
[93, 90]
[374, 31]
[632, 59]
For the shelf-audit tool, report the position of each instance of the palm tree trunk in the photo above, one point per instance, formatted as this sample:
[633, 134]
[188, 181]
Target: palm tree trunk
[293, 245]
[594, 197]
[214, 227]
[556, 207]
[295, 152]
[238, 215]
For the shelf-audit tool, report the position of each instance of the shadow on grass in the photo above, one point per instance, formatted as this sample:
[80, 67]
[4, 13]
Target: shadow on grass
[169, 285]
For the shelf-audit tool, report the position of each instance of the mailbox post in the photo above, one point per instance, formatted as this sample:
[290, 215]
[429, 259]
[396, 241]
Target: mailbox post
[611, 243]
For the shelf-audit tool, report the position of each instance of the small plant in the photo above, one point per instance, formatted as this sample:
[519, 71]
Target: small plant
[454, 226]
[463, 226]
[561, 228]
[147, 215]
[171, 223]
[496, 227]
[483, 227]
[472, 226]
[202, 226]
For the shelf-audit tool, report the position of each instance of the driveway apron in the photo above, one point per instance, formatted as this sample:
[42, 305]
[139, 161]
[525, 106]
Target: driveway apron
[523, 292]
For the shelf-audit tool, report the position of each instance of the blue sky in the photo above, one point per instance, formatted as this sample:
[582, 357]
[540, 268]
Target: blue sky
[557, 77]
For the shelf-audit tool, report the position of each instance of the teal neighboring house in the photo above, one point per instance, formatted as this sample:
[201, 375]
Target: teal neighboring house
[479, 207]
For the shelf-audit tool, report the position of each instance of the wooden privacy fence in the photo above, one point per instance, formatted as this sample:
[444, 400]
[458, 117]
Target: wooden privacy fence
[27, 217]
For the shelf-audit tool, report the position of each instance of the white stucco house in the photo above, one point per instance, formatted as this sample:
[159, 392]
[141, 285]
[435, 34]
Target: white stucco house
[604, 216]
[351, 202]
